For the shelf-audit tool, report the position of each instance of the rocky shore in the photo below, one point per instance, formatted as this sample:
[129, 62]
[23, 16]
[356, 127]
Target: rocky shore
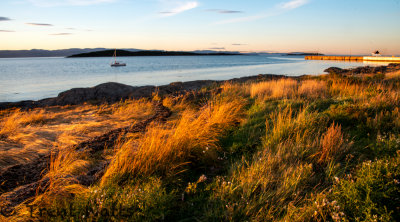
[112, 92]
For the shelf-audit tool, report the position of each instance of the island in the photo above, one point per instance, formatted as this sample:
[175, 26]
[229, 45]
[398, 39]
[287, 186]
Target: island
[120, 52]
[304, 54]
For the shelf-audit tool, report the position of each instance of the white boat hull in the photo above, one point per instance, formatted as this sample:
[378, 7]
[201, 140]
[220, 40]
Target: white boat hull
[118, 64]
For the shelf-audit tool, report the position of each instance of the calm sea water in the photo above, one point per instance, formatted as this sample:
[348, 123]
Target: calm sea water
[38, 78]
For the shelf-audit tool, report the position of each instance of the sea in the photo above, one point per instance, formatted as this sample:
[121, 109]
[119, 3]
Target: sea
[38, 78]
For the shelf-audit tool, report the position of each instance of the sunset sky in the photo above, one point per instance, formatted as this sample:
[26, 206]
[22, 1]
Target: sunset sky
[326, 26]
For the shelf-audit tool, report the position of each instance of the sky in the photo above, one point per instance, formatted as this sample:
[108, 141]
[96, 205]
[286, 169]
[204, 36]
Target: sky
[325, 26]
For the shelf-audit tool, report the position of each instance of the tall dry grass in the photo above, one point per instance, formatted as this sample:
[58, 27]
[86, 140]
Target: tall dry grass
[59, 183]
[25, 135]
[313, 89]
[282, 88]
[392, 75]
[164, 150]
[370, 94]
[289, 88]
[332, 143]
[132, 109]
[17, 118]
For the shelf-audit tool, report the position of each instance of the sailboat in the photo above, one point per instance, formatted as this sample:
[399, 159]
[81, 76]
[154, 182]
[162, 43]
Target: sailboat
[115, 63]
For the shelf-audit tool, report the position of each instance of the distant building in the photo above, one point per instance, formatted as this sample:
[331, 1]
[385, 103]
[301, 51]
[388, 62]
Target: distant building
[377, 53]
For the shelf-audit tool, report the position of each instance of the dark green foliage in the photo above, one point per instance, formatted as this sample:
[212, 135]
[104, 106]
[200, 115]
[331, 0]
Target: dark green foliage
[372, 192]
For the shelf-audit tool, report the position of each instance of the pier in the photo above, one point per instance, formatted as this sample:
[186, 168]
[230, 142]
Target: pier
[339, 58]
[355, 58]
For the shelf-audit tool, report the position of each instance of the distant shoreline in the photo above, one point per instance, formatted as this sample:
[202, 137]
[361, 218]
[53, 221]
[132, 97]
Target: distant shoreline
[122, 53]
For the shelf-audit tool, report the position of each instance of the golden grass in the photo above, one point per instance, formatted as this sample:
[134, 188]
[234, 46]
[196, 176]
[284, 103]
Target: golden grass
[373, 95]
[62, 184]
[165, 149]
[18, 118]
[178, 103]
[392, 75]
[289, 88]
[132, 109]
[67, 162]
[25, 135]
[346, 88]
[312, 89]
[332, 142]
[282, 88]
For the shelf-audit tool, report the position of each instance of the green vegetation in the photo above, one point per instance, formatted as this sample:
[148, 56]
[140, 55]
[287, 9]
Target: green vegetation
[322, 148]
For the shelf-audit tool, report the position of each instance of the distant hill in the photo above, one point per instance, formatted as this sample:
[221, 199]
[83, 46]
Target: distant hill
[48, 53]
[43, 53]
[303, 53]
[109, 53]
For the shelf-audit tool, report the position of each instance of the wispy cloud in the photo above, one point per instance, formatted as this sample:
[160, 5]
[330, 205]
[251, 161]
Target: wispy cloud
[54, 3]
[229, 11]
[181, 7]
[238, 44]
[38, 24]
[294, 4]
[6, 31]
[77, 29]
[63, 33]
[277, 10]
[224, 11]
[4, 19]
[217, 48]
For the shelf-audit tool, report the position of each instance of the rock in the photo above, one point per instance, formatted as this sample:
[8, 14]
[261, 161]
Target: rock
[113, 92]
[106, 92]
[334, 70]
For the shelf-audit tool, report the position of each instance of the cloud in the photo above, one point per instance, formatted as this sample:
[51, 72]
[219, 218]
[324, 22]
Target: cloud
[39, 24]
[184, 6]
[6, 31]
[277, 10]
[223, 11]
[76, 29]
[217, 48]
[4, 19]
[238, 44]
[294, 4]
[63, 33]
[229, 11]
[54, 3]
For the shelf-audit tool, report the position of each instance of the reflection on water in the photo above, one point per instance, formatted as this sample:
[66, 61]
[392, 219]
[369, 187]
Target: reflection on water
[37, 78]
[377, 63]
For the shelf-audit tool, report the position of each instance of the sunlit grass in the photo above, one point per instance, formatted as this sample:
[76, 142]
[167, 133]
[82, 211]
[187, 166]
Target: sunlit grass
[283, 88]
[26, 134]
[320, 148]
[313, 89]
[17, 118]
[164, 150]
[392, 75]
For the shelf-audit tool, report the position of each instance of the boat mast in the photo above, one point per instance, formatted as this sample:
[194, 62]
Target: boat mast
[115, 56]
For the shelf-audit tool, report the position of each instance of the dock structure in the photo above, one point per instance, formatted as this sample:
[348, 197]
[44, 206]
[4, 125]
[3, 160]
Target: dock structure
[381, 59]
[355, 58]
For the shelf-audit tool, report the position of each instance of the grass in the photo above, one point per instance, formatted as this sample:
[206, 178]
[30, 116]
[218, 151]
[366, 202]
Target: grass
[165, 150]
[322, 148]
[26, 135]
